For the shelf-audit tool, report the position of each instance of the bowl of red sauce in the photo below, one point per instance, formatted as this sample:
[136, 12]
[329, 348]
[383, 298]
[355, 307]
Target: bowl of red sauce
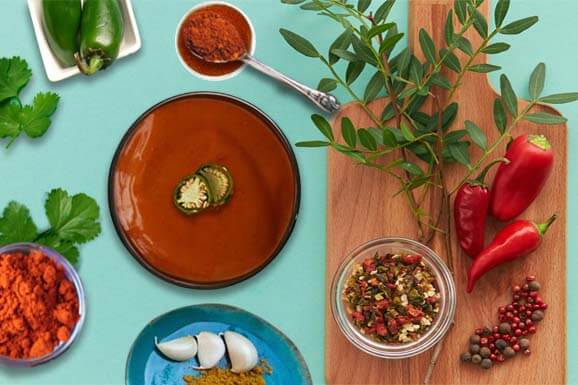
[195, 17]
[42, 305]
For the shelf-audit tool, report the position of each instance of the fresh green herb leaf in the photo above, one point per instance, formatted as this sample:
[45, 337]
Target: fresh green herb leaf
[354, 69]
[499, 115]
[460, 153]
[389, 138]
[560, 98]
[379, 29]
[312, 143]
[461, 9]
[299, 43]
[411, 168]
[292, 2]
[480, 22]
[345, 54]
[348, 132]
[451, 60]
[441, 81]
[476, 134]
[501, 12]
[14, 75]
[464, 45]
[323, 125]
[519, 26]
[33, 120]
[375, 85]
[383, 11]
[545, 118]
[508, 95]
[65, 248]
[362, 5]
[406, 132]
[537, 80]
[389, 43]
[427, 46]
[343, 41]
[496, 48]
[449, 28]
[73, 218]
[483, 68]
[16, 225]
[315, 5]
[363, 52]
[327, 85]
[366, 139]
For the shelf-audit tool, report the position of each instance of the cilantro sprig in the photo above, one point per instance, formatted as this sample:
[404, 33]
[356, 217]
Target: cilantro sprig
[73, 221]
[16, 118]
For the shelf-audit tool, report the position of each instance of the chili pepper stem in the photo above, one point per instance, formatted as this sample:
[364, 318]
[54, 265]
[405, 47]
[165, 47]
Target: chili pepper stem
[480, 179]
[543, 227]
[90, 68]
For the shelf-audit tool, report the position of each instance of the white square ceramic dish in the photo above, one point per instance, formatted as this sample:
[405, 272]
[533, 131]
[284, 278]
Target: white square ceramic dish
[131, 41]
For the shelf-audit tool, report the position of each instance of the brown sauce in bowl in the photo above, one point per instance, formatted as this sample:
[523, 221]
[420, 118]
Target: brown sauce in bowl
[235, 18]
[220, 246]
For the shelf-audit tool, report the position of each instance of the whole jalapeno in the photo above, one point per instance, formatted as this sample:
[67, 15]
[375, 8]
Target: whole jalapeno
[61, 22]
[101, 31]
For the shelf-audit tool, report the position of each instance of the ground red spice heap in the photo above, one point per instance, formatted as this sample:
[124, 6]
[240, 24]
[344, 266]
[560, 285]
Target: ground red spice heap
[38, 305]
[213, 37]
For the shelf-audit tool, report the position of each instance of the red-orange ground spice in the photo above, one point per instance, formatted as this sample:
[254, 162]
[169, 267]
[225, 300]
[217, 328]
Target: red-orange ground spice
[38, 305]
[213, 37]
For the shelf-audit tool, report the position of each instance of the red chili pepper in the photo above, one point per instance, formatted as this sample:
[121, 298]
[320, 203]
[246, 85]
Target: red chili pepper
[516, 240]
[471, 210]
[518, 183]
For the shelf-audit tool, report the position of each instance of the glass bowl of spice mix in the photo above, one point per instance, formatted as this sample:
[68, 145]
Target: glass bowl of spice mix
[42, 305]
[393, 298]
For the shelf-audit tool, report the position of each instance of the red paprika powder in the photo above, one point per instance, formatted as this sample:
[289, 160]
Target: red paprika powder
[38, 305]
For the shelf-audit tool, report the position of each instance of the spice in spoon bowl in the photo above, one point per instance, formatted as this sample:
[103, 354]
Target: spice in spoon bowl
[393, 298]
[212, 37]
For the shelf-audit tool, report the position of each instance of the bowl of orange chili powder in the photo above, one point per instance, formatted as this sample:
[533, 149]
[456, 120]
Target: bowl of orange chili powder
[42, 305]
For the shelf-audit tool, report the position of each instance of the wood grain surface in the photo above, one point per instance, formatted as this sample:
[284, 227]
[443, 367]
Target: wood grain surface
[360, 208]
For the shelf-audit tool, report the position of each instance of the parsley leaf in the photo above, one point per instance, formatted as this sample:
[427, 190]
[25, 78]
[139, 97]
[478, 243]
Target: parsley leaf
[14, 75]
[73, 218]
[16, 225]
[73, 221]
[33, 119]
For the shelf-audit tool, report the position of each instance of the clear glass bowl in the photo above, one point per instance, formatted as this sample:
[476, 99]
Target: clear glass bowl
[439, 326]
[72, 275]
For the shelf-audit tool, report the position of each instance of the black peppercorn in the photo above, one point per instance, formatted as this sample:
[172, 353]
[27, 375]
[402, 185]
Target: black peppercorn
[486, 363]
[474, 348]
[476, 358]
[466, 357]
[485, 352]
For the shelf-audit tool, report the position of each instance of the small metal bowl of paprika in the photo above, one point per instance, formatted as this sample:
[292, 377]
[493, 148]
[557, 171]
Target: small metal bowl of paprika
[72, 276]
[443, 283]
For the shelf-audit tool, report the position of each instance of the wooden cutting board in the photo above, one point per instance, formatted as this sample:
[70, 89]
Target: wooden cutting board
[360, 208]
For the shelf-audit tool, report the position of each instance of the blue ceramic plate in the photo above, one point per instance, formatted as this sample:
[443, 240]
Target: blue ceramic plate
[145, 366]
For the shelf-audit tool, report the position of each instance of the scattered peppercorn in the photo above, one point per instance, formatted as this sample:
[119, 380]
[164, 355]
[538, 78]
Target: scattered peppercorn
[486, 363]
[524, 343]
[466, 357]
[517, 320]
[392, 298]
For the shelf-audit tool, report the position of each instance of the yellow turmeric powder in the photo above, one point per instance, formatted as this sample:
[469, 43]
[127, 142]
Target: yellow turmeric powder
[220, 376]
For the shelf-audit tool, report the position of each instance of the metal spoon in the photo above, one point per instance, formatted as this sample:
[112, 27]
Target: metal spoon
[325, 101]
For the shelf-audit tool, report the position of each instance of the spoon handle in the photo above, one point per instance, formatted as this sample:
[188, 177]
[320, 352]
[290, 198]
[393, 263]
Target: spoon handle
[325, 101]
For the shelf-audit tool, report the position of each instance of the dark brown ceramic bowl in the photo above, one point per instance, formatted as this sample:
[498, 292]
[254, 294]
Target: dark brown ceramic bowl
[221, 246]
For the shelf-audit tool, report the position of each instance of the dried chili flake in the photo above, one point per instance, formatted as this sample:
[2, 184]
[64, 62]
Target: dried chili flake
[392, 298]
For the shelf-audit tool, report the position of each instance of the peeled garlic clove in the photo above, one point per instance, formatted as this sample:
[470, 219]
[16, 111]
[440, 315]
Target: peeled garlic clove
[179, 349]
[242, 352]
[211, 350]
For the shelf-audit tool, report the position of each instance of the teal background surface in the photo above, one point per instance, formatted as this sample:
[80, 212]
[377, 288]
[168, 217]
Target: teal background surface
[290, 293]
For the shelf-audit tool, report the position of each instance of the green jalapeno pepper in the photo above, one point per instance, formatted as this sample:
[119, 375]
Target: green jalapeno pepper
[61, 24]
[101, 31]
